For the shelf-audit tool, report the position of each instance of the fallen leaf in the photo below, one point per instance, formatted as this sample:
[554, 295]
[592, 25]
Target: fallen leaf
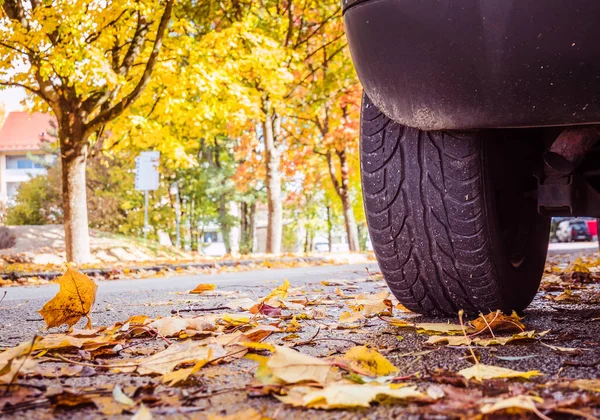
[564, 350]
[181, 375]
[372, 304]
[498, 322]
[201, 288]
[481, 372]
[280, 292]
[187, 351]
[172, 326]
[348, 317]
[264, 309]
[73, 301]
[349, 395]
[143, 413]
[290, 366]
[248, 414]
[586, 384]
[368, 362]
[513, 405]
[120, 397]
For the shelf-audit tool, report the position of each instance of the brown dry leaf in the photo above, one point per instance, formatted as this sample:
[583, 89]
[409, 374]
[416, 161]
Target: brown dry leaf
[73, 301]
[457, 340]
[498, 322]
[17, 395]
[370, 362]
[172, 326]
[201, 288]
[69, 399]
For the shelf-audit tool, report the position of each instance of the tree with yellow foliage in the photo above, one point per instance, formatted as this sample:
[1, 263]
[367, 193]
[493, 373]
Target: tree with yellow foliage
[87, 61]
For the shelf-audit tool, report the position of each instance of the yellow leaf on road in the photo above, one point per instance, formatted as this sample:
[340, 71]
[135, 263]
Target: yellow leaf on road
[372, 304]
[188, 351]
[369, 362]
[348, 395]
[292, 367]
[280, 292]
[172, 326]
[513, 405]
[73, 301]
[481, 372]
[201, 288]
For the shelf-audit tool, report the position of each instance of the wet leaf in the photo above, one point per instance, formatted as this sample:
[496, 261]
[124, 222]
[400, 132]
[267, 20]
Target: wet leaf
[73, 301]
[201, 288]
[481, 372]
[369, 362]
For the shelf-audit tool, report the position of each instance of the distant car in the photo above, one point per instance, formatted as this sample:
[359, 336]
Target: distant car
[573, 230]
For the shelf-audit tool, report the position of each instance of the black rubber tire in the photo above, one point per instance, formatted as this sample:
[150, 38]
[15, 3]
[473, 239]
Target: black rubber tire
[452, 216]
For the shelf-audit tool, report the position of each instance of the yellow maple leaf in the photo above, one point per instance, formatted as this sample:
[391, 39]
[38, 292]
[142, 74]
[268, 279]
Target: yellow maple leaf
[73, 301]
[481, 372]
[369, 362]
[280, 292]
[201, 288]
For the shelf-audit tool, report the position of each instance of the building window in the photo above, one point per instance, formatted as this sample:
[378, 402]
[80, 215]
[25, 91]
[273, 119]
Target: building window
[210, 237]
[12, 188]
[21, 162]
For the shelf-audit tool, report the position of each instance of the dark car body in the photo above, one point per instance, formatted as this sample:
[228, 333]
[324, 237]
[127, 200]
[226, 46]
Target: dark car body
[463, 64]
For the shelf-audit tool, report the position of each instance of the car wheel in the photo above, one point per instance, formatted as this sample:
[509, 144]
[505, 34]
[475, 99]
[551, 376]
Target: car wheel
[452, 216]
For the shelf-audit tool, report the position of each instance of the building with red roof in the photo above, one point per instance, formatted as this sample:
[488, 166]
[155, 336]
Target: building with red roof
[25, 142]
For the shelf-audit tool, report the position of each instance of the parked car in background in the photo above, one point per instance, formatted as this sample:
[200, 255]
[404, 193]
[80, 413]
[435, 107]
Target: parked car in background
[573, 230]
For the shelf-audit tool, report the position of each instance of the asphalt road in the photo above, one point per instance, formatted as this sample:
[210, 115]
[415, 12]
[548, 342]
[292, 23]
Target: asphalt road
[571, 325]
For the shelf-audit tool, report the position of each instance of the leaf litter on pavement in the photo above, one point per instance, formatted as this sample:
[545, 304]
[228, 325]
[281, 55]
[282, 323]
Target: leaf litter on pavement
[312, 347]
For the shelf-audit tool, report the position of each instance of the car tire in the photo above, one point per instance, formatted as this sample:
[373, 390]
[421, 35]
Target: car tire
[452, 216]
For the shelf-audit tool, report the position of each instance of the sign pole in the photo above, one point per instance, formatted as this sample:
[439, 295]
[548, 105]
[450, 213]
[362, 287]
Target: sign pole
[145, 215]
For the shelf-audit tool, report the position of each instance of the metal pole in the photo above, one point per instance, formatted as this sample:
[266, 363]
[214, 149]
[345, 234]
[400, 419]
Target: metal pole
[145, 214]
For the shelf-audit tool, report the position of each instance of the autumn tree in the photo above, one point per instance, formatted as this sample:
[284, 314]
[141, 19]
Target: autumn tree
[86, 61]
[327, 98]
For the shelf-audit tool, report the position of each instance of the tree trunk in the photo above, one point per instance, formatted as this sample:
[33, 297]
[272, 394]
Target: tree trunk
[77, 236]
[273, 181]
[224, 224]
[247, 228]
[329, 229]
[343, 190]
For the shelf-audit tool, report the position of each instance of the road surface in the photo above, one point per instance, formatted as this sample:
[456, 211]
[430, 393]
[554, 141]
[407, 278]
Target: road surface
[222, 387]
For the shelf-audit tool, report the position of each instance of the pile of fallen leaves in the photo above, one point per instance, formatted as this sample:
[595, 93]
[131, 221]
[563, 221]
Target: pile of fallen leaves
[165, 353]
